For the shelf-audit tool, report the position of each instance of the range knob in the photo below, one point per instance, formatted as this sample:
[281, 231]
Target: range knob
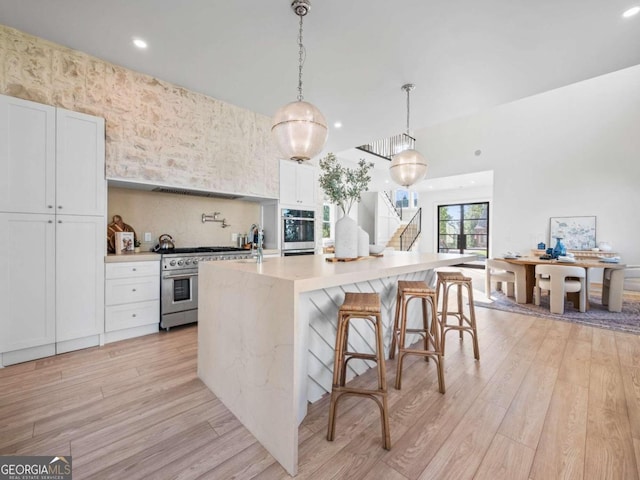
[180, 262]
[187, 261]
[172, 263]
[195, 261]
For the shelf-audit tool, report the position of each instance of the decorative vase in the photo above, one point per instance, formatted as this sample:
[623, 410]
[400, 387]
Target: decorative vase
[363, 243]
[604, 246]
[346, 238]
[559, 250]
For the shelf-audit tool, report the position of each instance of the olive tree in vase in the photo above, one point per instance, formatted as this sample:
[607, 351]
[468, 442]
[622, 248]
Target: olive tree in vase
[343, 186]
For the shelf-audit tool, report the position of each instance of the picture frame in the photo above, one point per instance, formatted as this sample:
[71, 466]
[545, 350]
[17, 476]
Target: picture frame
[124, 242]
[577, 233]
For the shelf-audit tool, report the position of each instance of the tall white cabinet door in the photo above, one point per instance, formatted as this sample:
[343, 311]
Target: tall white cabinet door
[27, 156]
[288, 183]
[80, 180]
[80, 245]
[297, 184]
[27, 281]
[306, 186]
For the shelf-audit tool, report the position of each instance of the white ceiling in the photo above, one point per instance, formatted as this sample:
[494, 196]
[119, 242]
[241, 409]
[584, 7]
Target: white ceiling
[464, 56]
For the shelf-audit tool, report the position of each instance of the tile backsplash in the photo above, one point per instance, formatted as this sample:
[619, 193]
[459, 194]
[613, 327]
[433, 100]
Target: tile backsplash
[180, 216]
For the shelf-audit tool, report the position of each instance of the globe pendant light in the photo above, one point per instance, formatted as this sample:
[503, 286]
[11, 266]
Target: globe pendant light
[409, 166]
[299, 129]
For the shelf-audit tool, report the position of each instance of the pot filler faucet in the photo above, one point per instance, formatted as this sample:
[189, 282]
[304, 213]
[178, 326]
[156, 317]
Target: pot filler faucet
[258, 253]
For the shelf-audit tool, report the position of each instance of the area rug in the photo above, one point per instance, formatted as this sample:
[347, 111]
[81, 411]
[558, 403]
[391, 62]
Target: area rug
[628, 320]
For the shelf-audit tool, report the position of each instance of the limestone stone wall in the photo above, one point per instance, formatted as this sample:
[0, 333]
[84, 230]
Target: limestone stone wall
[156, 132]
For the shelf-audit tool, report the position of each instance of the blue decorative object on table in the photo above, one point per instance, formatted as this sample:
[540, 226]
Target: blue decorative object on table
[559, 249]
[541, 246]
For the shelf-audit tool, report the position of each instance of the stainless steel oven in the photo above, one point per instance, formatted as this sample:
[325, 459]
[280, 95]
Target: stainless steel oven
[179, 297]
[298, 230]
[179, 281]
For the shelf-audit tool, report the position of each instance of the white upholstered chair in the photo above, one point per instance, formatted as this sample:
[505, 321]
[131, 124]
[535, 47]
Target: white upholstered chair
[513, 275]
[555, 279]
[615, 281]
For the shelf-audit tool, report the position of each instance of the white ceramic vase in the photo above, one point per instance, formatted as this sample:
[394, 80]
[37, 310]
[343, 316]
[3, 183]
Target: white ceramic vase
[346, 237]
[363, 243]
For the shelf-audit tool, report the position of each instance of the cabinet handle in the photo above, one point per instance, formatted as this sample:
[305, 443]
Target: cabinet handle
[133, 289]
[60, 207]
[59, 221]
[49, 206]
[134, 269]
[134, 315]
[50, 221]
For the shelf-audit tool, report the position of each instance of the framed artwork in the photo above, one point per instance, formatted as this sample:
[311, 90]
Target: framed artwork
[577, 233]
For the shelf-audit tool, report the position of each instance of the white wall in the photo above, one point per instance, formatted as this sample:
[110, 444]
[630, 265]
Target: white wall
[573, 151]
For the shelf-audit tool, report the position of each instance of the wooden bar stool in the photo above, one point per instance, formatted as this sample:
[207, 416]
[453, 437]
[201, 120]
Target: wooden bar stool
[361, 306]
[466, 323]
[407, 291]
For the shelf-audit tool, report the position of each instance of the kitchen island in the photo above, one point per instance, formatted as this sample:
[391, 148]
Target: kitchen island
[265, 329]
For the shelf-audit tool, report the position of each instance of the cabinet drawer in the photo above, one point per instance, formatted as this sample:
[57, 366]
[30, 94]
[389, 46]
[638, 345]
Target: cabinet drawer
[131, 269]
[118, 317]
[129, 290]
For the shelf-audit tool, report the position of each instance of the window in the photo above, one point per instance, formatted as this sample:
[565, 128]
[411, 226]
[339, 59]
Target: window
[328, 220]
[402, 198]
[464, 228]
[406, 199]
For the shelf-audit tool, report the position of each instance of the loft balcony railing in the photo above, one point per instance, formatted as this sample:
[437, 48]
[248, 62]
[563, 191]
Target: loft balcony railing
[388, 147]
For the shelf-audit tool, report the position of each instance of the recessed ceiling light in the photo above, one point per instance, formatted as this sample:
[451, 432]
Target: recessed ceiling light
[631, 12]
[337, 124]
[138, 42]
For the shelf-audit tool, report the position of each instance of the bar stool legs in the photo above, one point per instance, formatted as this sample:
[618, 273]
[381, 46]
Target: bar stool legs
[359, 306]
[466, 323]
[407, 291]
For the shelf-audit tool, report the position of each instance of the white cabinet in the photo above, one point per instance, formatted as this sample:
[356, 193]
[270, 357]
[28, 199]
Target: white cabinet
[27, 281]
[51, 159]
[132, 299]
[80, 180]
[27, 156]
[297, 184]
[79, 277]
[51, 284]
[52, 215]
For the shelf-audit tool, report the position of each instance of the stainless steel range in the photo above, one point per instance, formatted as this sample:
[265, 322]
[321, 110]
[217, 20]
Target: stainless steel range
[179, 281]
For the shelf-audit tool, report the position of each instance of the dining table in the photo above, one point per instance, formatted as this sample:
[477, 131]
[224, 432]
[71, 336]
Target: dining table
[587, 263]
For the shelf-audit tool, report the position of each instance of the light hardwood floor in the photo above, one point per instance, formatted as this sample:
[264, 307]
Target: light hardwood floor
[547, 400]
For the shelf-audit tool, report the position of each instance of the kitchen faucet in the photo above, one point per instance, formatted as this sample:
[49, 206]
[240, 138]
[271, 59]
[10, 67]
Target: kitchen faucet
[252, 229]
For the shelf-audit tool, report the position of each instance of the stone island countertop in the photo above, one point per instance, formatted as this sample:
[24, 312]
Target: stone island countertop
[258, 323]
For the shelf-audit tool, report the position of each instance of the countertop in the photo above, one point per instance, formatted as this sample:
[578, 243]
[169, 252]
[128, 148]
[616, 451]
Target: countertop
[313, 272]
[132, 257]
[151, 256]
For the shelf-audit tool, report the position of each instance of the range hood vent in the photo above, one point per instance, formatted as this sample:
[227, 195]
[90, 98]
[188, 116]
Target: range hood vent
[197, 193]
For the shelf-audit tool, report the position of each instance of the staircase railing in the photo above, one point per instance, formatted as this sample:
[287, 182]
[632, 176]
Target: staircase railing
[411, 232]
[392, 207]
[388, 147]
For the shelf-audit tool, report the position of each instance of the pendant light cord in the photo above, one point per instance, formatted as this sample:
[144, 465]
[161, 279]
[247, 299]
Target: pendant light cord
[408, 110]
[301, 58]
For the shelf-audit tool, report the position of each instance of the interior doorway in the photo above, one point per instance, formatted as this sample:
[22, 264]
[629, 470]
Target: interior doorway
[464, 228]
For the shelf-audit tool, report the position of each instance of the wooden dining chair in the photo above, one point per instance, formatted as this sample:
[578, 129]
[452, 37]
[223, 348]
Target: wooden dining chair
[560, 280]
